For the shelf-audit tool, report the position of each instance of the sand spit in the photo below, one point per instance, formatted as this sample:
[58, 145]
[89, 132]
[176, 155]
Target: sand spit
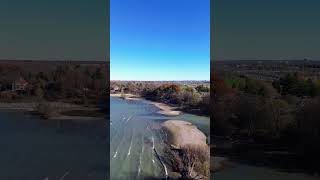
[127, 96]
[78, 118]
[61, 106]
[182, 133]
[164, 108]
[27, 106]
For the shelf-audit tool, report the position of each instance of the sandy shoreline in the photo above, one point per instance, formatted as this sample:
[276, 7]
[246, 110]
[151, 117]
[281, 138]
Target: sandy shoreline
[186, 137]
[165, 109]
[127, 96]
[18, 106]
[31, 106]
[78, 118]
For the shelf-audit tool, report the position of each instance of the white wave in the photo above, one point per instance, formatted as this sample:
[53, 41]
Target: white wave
[165, 170]
[129, 119]
[140, 159]
[115, 154]
[64, 175]
[152, 142]
[129, 151]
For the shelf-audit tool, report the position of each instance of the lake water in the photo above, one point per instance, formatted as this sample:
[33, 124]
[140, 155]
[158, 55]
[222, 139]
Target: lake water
[247, 172]
[37, 149]
[135, 134]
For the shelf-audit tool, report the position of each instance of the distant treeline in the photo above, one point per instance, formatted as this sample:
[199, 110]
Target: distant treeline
[75, 83]
[193, 98]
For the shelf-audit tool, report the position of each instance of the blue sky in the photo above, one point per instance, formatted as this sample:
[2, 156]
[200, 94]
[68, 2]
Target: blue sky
[160, 40]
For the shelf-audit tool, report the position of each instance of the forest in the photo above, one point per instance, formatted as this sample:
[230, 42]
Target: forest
[45, 84]
[272, 122]
[192, 98]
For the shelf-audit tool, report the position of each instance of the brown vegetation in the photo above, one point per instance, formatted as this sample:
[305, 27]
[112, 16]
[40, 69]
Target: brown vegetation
[85, 84]
[190, 161]
[48, 110]
[190, 98]
[273, 115]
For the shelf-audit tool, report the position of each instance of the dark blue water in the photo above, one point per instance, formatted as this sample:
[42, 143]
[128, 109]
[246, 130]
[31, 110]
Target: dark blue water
[35, 149]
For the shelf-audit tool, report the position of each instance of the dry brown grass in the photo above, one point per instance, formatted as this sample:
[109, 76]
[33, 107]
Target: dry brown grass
[8, 96]
[48, 110]
[190, 161]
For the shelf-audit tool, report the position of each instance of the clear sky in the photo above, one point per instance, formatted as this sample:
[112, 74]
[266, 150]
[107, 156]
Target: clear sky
[160, 39]
[266, 29]
[54, 29]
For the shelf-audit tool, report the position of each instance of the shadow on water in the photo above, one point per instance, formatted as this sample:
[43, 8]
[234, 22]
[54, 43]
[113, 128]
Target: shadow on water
[35, 148]
[278, 163]
[285, 164]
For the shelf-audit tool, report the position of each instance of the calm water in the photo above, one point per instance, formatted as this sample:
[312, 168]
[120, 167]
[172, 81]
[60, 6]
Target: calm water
[36, 149]
[134, 134]
[246, 172]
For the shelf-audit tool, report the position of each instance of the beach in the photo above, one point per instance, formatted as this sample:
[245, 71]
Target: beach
[126, 96]
[165, 109]
[182, 133]
[60, 107]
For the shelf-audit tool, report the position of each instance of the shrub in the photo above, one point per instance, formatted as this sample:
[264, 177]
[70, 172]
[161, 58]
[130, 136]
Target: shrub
[191, 161]
[48, 110]
[202, 88]
[8, 96]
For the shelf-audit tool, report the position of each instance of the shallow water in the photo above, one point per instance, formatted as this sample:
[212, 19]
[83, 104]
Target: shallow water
[202, 122]
[134, 134]
[36, 149]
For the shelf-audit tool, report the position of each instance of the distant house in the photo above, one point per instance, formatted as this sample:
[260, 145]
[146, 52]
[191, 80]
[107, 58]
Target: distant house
[20, 85]
[115, 89]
